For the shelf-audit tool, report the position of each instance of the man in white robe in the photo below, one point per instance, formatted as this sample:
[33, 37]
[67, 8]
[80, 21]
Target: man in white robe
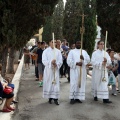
[52, 60]
[100, 63]
[75, 61]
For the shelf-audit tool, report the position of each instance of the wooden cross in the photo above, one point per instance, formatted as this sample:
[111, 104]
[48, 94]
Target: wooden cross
[82, 30]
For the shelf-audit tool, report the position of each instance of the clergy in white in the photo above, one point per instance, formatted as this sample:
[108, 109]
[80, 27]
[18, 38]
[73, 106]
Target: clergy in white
[74, 62]
[100, 61]
[52, 60]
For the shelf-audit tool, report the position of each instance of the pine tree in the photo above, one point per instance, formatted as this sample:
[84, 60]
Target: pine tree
[57, 26]
[108, 12]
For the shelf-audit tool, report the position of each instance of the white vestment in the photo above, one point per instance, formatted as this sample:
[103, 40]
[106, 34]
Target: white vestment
[99, 87]
[51, 90]
[73, 58]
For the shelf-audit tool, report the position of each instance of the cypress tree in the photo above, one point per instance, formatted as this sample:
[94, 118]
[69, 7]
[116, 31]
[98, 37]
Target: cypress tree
[73, 20]
[89, 7]
[57, 26]
[47, 32]
[54, 23]
[19, 21]
[108, 12]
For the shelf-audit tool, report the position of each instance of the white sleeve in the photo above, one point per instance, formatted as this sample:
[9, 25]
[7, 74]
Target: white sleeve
[108, 59]
[59, 60]
[45, 59]
[86, 58]
[70, 61]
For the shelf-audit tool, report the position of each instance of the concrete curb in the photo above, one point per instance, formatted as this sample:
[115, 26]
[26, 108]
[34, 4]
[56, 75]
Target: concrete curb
[15, 81]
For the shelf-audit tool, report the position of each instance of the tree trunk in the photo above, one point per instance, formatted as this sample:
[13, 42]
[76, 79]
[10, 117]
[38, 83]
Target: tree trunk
[4, 61]
[17, 54]
[10, 69]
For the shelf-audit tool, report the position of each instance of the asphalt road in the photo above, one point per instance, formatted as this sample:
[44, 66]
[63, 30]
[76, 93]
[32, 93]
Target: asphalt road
[32, 106]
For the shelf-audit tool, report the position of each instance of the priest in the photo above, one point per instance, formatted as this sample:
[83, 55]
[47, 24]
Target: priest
[52, 60]
[75, 60]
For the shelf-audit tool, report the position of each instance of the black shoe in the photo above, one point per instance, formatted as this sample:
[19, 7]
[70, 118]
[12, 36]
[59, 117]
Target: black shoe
[68, 79]
[106, 101]
[50, 100]
[72, 101]
[95, 99]
[56, 101]
[78, 101]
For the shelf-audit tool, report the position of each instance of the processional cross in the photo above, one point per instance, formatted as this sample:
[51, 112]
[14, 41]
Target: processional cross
[82, 30]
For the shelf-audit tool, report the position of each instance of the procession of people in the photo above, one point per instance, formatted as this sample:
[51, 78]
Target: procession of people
[58, 60]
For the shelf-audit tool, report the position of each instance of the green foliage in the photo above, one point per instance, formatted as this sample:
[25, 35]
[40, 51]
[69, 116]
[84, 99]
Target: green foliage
[73, 22]
[54, 23]
[47, 32]
[109, 19]
[20, 20]
[90, 25]
[57, 26]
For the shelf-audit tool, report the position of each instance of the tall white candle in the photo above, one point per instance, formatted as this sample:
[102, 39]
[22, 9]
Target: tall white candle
[54, 45]
[105, 42]
[53, 40]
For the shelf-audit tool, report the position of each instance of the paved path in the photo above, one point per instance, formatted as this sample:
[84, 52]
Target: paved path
[33, 107]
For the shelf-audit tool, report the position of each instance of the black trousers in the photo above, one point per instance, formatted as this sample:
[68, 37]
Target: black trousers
[65, 66]
[61, 70]
[1, 90]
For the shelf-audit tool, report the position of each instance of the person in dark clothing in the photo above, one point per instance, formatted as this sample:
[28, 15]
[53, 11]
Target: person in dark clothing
[39, 63]
[64, 54]
[34, 51]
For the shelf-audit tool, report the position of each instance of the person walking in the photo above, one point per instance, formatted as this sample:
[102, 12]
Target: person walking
[100, 65]
[75, 61]
[52, 60]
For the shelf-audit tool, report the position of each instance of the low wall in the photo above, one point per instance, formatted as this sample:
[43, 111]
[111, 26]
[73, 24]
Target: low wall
[16, 80]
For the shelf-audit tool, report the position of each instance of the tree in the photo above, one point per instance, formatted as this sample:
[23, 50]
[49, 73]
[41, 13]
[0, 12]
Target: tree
[19, 20]
[72, 22]
[89, 7]
[57, 24]
[47, 32]
[54, 23]
[108, 12]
